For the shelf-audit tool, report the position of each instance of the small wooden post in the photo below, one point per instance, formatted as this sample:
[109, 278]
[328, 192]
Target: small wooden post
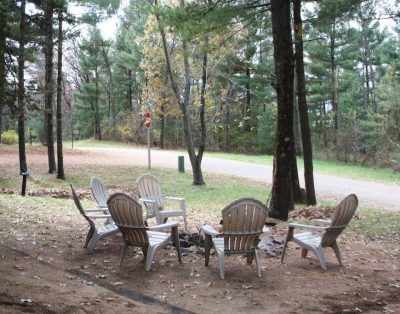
[147, 123]
[149, 147]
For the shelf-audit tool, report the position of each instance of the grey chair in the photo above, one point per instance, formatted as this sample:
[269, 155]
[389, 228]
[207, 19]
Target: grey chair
[95, 233]
[310, 240]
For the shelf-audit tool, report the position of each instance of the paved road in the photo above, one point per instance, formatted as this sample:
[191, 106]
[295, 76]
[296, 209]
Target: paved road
[370, 194]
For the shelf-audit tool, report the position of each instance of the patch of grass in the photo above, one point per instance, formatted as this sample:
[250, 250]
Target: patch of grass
[204, 202]
[373, 223]
[95, 143]
[335, 168]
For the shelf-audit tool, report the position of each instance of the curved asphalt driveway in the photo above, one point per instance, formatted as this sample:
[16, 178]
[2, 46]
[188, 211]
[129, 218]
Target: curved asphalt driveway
[370, 194]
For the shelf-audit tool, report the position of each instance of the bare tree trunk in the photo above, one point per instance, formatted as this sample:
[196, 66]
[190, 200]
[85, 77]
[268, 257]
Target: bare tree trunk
[21, 90]
[60, 158]
[247, 109]
[303, 108]
[296, 118]
[2, 66]
[334, 100]
[282, 194]
[129, 92]
[97, 126]
[49, 86]
[162, 114]
[195, 160]
[227, 109]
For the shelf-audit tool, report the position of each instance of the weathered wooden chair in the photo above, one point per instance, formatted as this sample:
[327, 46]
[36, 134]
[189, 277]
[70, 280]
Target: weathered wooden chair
[95, 234]
[330, 232]
[243, 223]
[153, 199]
[128, 216]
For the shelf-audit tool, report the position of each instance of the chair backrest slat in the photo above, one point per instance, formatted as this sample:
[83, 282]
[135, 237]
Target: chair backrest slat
[99, 191]
[128, 216]
[80, 207]
[243, 221]
[341, 217]
[149, 188]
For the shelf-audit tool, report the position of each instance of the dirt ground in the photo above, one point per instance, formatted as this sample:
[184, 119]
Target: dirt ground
[45, 269]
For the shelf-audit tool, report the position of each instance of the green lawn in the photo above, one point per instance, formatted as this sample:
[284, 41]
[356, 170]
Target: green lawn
[336, 168]
[204, 202]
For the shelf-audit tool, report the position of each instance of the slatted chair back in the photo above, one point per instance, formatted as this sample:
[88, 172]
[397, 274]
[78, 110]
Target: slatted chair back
[150, 188]
[243, 221]
[80, 207]
[128, 216]
[99, 191]
[340, 219]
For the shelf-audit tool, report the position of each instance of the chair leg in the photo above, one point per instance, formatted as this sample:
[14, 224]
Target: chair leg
[257, 263]
[250, 258]
[123, 252]
[93, 241]
[89, 236]
[221, 260]
[304, 252]
[337, 252]
[144, 250]
[319, 252]
[207, 248]
[289, 237]
[150, 257]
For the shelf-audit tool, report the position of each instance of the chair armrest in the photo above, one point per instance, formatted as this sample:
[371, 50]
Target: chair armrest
[310, 227]
[322, 221]
[173, 198]
[181, 201]
[207, 229]
[99, 216]
[170, 224]
[99, 209]
[146, 200]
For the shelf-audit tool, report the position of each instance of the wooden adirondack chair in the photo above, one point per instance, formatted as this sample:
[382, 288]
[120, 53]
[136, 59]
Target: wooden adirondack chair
[243, 223]
[128, 216]
[95, 233]
[330, 232]
[152, 198]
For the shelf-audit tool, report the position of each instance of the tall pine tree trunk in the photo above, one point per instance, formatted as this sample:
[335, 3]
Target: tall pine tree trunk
[282, 195]
[21, 90]
[303, 108]
[2, 65]
[60, 159]
[227, 109]
[334, 93]
[49, 85]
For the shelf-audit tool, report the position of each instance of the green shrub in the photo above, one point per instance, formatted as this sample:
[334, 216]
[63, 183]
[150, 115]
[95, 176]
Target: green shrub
[9, 137]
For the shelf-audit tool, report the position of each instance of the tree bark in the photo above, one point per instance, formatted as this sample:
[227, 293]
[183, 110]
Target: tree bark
[282, 194]
[303, 108]
[227, 109]
[60, 158]
[2, 65]
[335, 108]
[21, 90]
[49, 85]
[195, 160]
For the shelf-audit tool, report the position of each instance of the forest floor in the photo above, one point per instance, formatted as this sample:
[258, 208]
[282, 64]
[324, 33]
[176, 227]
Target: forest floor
[45, 269]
